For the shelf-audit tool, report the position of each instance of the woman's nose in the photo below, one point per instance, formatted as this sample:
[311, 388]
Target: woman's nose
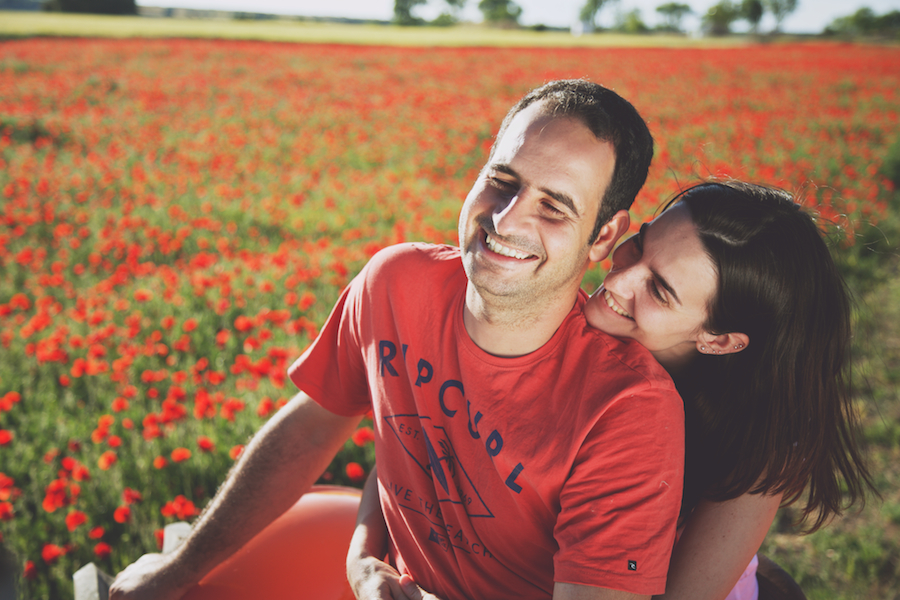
[623, 281]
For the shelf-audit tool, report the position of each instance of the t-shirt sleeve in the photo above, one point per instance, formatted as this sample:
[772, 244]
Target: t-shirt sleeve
[332, 370]
[619, 507]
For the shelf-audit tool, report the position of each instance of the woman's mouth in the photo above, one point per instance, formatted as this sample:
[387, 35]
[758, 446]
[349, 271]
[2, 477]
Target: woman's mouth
[614, 306]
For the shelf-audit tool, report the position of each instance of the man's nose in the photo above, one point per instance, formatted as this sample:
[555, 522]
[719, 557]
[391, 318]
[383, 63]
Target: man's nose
[515, 216]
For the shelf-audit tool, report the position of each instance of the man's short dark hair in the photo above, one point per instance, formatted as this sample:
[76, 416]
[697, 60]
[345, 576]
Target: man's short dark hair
[609, 117]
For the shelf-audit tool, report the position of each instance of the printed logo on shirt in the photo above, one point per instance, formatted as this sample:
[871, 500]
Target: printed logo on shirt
[632, 565]
[451, 399]
[430, 447]
[441, 540]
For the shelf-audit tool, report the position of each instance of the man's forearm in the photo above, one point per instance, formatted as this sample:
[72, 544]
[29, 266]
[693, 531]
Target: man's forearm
[281, 462]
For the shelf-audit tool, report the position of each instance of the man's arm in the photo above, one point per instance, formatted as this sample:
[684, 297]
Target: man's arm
[281, 462]
[370, 577]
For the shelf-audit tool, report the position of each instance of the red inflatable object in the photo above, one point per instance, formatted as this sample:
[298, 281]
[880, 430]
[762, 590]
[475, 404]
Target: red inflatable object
[300, 555]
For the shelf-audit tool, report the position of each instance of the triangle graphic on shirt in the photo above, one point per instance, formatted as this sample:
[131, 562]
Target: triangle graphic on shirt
[429, 446]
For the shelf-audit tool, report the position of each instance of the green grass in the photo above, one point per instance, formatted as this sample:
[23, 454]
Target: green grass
[26, 24]
[857, 556]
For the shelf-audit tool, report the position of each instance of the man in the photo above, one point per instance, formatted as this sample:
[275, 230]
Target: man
[521, 453]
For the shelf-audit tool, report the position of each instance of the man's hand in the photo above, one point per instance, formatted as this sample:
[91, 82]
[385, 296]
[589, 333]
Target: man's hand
[373, 579]
[148, 579]
[413, 591]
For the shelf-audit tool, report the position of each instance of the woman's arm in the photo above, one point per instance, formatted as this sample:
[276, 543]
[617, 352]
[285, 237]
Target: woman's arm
[717, 544]
[370, 577]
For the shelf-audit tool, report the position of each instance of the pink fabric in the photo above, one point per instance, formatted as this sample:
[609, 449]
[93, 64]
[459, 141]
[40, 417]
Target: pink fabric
[747, 588]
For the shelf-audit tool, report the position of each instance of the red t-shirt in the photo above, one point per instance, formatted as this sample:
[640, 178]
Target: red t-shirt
[500, 476]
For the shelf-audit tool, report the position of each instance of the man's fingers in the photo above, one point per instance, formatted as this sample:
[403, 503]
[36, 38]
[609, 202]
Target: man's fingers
[413, 591]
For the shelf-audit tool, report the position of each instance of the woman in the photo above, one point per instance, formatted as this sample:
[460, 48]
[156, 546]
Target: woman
[735, 293]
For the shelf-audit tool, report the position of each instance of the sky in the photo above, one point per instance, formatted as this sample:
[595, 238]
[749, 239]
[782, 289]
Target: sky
[811, 16]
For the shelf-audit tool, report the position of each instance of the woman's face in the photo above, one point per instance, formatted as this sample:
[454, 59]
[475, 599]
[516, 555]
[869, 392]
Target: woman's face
[659, 287]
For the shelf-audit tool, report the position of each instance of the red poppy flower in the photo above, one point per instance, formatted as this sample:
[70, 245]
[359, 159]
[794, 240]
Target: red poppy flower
[122, 514]
[180, 454]
[51, 552]
[6, 437]
[265, 407]
[236, 451]
[130, 496]
[7, 489]
[106, 460]
[205, 444]
[8, 399]
[96, 533]
[180, 507]
[74, 519]
[363, 436]
[160, 462]
[355, 472]
[242, 323]
[102, 550]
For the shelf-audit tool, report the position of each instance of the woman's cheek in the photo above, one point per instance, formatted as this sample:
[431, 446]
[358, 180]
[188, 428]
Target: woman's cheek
[592, 311]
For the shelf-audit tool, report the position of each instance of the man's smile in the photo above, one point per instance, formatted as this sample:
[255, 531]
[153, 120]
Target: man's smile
[495, 246]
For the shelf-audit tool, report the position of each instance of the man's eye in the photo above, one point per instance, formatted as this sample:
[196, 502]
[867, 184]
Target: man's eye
[553, 210]
[502, 184]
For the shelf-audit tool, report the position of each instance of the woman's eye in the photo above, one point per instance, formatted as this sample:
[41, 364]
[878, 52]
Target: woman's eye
[638, 245]
[656, 293]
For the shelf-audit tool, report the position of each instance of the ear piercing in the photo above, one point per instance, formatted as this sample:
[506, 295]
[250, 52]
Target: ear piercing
[711, 351]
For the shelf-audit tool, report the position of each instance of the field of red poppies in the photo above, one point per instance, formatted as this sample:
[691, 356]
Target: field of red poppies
[177, 218]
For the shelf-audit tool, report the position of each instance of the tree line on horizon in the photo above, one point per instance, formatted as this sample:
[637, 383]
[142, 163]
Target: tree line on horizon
[717, 20]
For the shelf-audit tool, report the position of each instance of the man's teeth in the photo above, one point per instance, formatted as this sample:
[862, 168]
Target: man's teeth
[495, 247]
[612, 304]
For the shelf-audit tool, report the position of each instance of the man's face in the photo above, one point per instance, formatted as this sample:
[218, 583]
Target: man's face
[524, 228]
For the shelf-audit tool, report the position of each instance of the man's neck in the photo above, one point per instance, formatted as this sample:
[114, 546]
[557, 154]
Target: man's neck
[504, 330]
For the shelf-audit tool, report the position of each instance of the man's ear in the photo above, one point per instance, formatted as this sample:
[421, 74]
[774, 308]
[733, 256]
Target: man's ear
[609, 235]
[725, 343]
